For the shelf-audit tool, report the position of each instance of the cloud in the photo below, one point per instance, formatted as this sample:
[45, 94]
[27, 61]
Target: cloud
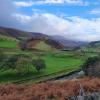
[23, 3]
[72, 27]
[22, 18]
[41, 21]
[6, 10]
[95, 11]
[41, 2]
[77, 2]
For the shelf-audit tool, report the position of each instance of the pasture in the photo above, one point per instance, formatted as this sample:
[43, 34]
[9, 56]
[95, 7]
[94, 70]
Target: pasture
[57, 63]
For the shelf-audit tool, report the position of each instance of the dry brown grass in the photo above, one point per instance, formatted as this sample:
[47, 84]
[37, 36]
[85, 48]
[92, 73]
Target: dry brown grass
[58, 90]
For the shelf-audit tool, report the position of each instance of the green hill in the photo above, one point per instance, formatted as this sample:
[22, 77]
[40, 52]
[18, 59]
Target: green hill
[92, 47]
[8, 42]
[40, 44]
[10, 37]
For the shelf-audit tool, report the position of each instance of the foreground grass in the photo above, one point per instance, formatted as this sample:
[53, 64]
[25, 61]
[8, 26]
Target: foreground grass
[53, 90]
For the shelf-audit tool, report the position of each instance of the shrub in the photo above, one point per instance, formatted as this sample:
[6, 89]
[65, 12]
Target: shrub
[91, 66]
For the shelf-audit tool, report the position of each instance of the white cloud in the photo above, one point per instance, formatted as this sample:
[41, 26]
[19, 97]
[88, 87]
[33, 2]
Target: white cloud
[95, 11]
[41, 2]
[23, 3]
[72, 28]
[77, 2]
[23, 18]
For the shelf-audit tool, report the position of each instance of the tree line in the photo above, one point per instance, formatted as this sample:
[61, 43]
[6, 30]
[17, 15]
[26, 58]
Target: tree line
[21, 63]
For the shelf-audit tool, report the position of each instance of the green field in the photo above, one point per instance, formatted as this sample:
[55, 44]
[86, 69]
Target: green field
[8, 44]
[53, 65]
[57, 63]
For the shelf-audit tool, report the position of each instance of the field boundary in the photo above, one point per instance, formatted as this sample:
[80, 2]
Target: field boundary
[49, 77]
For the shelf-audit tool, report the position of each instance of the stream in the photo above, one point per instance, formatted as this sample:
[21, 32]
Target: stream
[73, 76]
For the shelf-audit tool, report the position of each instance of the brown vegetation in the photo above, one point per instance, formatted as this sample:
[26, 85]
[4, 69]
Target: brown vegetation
[57, 90]
[30, 43]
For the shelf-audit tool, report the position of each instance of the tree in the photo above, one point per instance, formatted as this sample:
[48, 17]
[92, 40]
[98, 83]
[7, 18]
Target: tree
[22, 45]
[2, 58]
[23, 64]
[19, 62]
[39, 64]
[92, 66]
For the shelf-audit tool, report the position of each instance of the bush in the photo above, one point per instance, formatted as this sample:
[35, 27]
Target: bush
[39, 64]
[91, 61]
[91, 66]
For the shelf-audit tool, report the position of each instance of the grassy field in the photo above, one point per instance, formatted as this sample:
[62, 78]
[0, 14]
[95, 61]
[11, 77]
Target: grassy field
[8, 44]
[53, 65]
[57, 63]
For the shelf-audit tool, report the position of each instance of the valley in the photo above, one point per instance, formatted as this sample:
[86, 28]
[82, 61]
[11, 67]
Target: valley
[63, 64]
[58, 62]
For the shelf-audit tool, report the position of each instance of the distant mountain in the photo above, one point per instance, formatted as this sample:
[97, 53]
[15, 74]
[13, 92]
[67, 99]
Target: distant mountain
[31, 40]
[23, 35]
[69, 43]
[18, 34]
[94, 44]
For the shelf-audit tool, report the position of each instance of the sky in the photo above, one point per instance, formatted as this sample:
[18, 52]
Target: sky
[72, 19]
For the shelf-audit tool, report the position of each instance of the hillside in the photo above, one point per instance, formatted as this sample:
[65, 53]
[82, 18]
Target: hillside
[95, 44]
[40, 44]
[69, 43]
[92, 47]
[54, 90]
[21, 35]
[31, 40]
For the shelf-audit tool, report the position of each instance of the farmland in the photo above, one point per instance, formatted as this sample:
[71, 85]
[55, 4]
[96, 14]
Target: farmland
[8, 43]
[57, 63]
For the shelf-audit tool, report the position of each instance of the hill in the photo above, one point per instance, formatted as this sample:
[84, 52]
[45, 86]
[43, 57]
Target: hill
[40, 44]
[69, 43]
[95, 44]
[29, 40]
[21, 35]
[92, 47]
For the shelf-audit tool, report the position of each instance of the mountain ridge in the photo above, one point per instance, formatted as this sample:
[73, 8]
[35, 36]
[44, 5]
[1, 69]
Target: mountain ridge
[24, 35]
